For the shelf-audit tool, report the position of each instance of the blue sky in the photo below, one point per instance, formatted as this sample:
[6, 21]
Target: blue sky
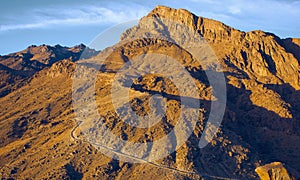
[70, 22]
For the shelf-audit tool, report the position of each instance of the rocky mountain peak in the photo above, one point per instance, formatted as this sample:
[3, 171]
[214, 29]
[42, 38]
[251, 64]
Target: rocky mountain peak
[180, 15]
[36, 58]
[208, 28]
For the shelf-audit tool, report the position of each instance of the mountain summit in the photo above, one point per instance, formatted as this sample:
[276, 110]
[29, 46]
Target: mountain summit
[40, 138]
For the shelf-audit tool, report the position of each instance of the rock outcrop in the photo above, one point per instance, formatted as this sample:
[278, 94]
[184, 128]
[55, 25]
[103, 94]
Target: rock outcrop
[273, 171]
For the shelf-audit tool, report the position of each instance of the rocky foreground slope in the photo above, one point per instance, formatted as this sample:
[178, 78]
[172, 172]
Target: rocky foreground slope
[39, 134]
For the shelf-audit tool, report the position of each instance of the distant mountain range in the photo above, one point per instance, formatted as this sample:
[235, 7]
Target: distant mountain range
[40, 138]
[24, 64]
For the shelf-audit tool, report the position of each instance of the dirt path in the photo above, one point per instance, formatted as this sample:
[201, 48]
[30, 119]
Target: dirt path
[196, 175]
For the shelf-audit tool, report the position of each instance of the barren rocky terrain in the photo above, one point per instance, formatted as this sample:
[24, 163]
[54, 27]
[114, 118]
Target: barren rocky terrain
[40, 138]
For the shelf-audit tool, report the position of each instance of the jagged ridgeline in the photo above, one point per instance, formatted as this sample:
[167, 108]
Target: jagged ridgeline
[40, 138]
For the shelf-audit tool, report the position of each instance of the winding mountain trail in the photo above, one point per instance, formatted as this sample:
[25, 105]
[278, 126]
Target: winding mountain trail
[194, 174]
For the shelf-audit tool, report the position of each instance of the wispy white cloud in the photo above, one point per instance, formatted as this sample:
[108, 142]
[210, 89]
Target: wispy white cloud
[88, 15]
[281, 16]
[206, 1]
[234, 10]
[278, 16]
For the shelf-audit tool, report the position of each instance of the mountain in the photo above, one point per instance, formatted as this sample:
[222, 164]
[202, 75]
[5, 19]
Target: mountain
[35, 58]
[41, 139]
[17, 67]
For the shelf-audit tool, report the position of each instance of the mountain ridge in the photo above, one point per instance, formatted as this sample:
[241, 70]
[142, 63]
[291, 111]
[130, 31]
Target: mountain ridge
[33, 59]
[227, 41]
[260, 124]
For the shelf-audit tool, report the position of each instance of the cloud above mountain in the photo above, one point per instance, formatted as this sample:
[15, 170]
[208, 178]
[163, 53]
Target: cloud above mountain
[75, 16]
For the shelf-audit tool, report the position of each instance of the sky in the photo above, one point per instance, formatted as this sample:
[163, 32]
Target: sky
[71, 22]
